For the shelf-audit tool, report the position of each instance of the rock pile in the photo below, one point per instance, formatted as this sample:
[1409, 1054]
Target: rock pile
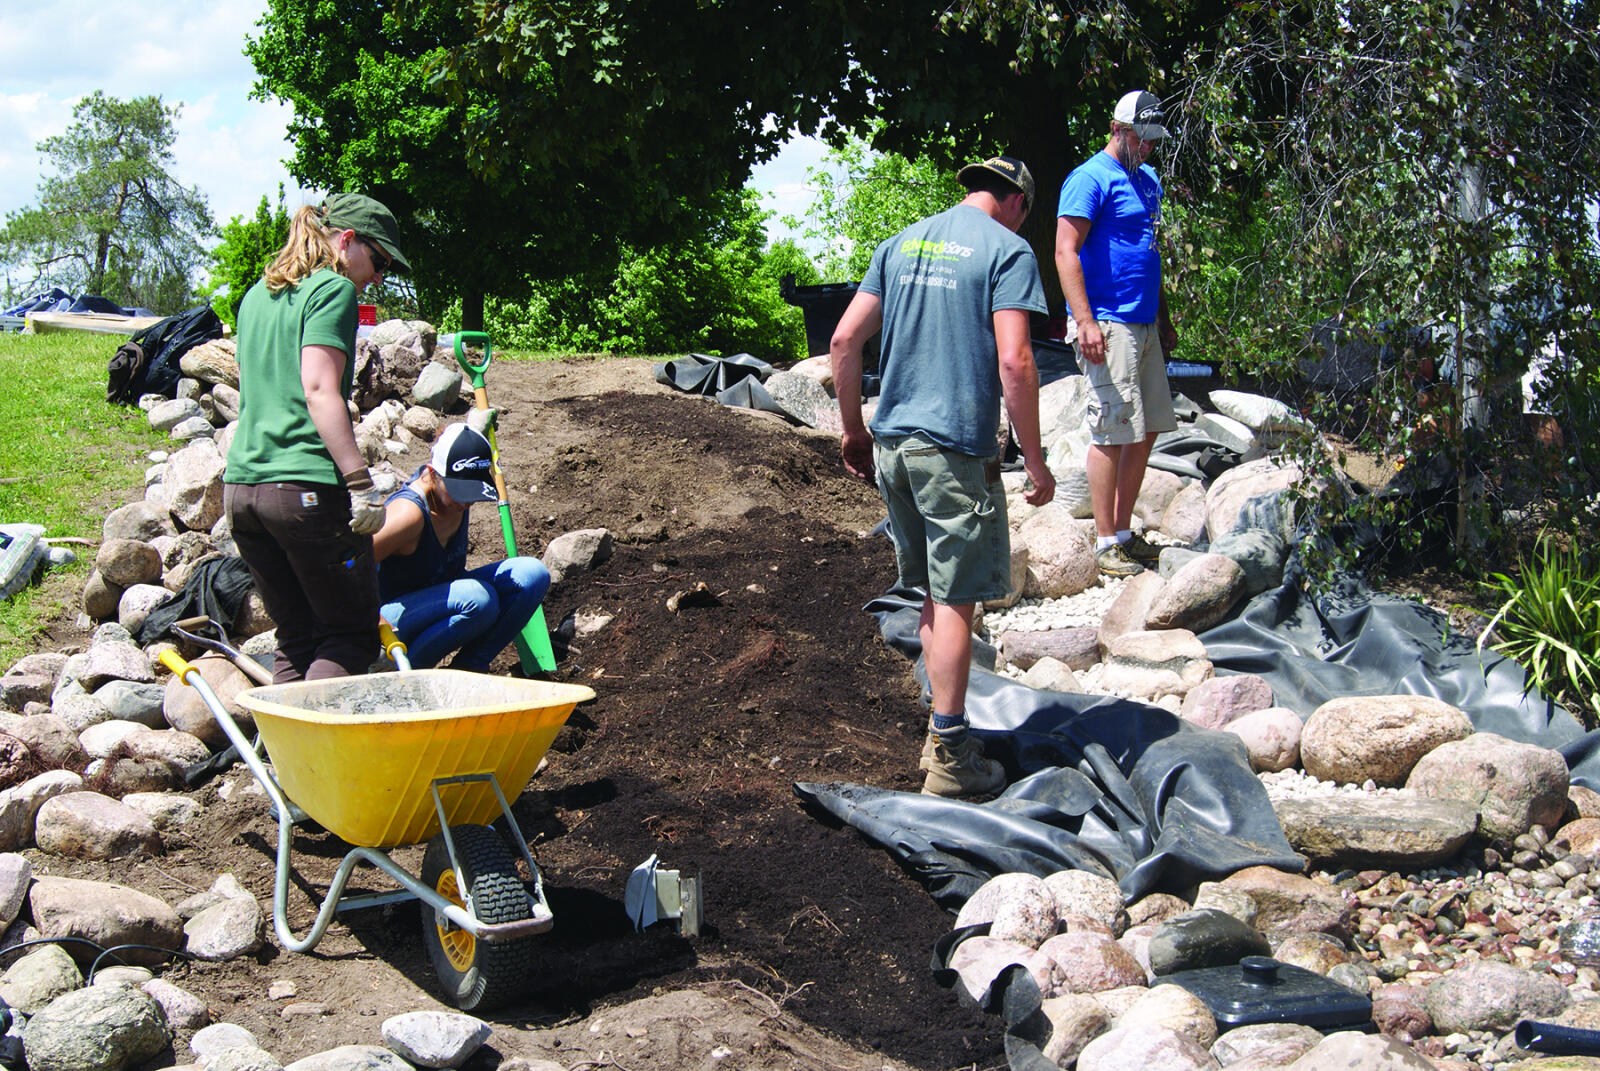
[94, 744]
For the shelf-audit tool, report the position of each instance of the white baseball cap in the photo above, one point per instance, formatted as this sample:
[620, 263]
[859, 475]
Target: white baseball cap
[1141, 110]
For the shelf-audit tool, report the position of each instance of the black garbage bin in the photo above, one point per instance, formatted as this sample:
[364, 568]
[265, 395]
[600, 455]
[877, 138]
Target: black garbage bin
[823, 305]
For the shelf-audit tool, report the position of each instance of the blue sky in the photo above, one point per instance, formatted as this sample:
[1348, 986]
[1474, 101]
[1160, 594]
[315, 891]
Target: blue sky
[190, 54]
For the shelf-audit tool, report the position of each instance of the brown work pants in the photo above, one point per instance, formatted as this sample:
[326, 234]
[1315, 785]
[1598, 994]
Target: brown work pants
[316, 577]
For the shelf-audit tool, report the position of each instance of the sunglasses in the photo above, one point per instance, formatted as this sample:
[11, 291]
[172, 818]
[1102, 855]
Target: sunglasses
[381, 261]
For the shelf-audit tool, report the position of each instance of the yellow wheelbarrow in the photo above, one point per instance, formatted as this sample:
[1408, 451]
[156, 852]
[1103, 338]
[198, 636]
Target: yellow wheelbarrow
[392, 759]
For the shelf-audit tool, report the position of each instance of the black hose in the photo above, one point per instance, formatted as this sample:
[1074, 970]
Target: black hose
[1558, 1038]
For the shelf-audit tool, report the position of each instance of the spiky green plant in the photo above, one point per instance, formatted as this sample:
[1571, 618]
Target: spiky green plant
[1549, 622]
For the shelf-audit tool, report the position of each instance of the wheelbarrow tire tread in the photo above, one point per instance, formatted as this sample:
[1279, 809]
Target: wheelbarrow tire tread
[498, 973]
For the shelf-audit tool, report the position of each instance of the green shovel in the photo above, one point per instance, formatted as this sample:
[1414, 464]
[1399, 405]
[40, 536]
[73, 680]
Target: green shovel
[533, 642]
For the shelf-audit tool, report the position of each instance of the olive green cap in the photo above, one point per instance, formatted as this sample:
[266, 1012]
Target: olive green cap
[369, 219]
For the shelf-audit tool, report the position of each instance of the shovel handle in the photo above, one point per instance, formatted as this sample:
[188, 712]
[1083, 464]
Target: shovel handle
[476, 371]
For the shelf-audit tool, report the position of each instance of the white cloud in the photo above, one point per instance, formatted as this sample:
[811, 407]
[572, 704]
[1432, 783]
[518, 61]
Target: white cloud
[190, 54]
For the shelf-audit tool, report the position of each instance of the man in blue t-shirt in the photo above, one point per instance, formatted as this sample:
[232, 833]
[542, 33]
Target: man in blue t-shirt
[1111, 274]
[952, 294]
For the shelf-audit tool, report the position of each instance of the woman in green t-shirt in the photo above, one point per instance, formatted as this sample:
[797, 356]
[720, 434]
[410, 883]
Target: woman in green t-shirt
[298, 495]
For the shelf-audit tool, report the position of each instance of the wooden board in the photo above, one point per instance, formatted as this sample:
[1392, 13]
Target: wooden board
[40, 323]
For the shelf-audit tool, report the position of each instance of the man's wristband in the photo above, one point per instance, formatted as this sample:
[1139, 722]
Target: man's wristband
[358, 480]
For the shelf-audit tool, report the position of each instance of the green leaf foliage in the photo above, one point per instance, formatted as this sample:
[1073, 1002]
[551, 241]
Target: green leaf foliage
[1403, 188]
[863, 197]
[716, 293]
[111, 220]
[240, 259]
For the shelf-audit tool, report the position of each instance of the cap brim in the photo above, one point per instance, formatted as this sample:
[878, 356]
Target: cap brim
[1149, 131]
[469, 491]
[394, 254]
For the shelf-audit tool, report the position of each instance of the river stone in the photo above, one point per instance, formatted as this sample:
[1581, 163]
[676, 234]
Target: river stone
[137, 602]
[1090, 963]
[39, 977]
[226, 930]
[436, 387]
[1582, 835]
[351, 1058]
[128, 561]
[576, 552]
[1184, 519]
[1129, 610]
[1513, 786]
[1204, 938]
[87, 825]
[1291, 903]
[1061, 558]
[1355, 738]
[167, 811]
[103, 738]
[1316, 952]
[1052, 675]
[194, 484]
[184, 709]
[1077, 647]
[51, 740]
[1199, 595]
[1151, 665]
[219, 1037]
[1401, 1011]
[1489, 995]
[1281, 1043]
[1172, 1007]
[212, 362]
[194, 429]
[1156, 907]
[1230, 491]
[1271, 737]
[1136, 1049]
[137, 520]
[102, 1028]
[1018, 907]
[135, 701]
[1082, 892]
[19, 805]
[100, 597]
[106, 914]
[1216, 702]
[1075, 1020]
[1362, 831]
[168, 414]
[434, 1039]
[1156, 493]
[1226, 899]
[108, 662]
[225, 400]
[978, 961]
[1369, 1052]
[184, 1010]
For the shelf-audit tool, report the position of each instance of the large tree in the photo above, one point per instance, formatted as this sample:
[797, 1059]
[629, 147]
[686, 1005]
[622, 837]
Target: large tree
[689, 96]
[112, 220]
[1402, 164]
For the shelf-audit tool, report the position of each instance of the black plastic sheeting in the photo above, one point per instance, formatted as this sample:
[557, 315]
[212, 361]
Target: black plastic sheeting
[1108, 785]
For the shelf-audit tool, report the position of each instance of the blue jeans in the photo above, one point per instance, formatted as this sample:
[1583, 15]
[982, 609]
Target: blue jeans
[480, 612]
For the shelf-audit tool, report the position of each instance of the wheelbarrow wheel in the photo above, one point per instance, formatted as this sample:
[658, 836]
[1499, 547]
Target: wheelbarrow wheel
[476, 975]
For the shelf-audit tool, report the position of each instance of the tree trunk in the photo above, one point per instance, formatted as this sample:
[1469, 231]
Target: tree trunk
[1040, 141]
[471, 308]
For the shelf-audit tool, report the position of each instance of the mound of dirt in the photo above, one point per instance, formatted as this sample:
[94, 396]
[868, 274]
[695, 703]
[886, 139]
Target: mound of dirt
[816, 946]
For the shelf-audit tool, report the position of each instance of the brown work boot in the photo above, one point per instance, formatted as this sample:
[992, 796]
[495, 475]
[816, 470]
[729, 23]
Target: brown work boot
[1114, 561]
[957, 768]
[1137, 548]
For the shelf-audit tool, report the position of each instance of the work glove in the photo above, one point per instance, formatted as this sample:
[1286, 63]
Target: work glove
[366, 502]
[482, 420]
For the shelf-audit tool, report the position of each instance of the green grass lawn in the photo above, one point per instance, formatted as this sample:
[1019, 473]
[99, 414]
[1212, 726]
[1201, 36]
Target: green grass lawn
[66, 459]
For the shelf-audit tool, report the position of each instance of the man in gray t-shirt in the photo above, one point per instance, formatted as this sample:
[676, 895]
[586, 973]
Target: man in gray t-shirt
[952, 294]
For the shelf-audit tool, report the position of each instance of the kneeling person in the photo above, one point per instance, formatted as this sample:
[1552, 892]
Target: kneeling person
[434, 602]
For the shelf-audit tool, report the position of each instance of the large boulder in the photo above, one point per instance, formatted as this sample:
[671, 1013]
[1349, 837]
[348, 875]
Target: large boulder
[1514, 786]
[1353, 739]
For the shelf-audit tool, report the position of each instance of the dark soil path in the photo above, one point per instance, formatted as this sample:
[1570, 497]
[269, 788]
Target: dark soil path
[704, 719]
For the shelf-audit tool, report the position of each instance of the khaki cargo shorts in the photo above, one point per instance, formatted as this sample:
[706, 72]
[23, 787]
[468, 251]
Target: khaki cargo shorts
[947, 518]
[1128, 394]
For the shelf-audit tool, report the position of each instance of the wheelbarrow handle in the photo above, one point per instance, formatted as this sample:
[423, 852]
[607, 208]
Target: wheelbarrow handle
[476, 371]
[179, 665]
[394, 647]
